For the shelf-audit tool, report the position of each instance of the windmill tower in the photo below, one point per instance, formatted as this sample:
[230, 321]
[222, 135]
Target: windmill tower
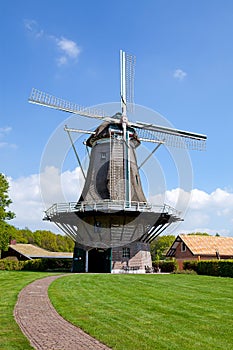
[112, 223]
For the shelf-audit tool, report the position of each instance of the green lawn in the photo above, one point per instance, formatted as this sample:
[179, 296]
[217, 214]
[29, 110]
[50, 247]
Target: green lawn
[11, 282]
[142, 312]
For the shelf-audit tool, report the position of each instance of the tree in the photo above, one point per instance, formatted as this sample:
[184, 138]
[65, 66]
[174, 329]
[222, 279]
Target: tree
[5, 201]
[5, 214]
[198, 234]
[160, 246]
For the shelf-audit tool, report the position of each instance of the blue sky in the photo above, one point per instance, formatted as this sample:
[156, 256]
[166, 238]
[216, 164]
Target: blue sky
[184, 71]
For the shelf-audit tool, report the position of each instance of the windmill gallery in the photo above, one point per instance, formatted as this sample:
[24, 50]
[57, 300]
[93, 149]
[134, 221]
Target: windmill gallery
[112, 223]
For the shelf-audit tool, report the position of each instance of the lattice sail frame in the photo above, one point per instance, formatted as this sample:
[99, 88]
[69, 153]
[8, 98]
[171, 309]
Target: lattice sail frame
[130, 74]
[171, 140]
[47, 100]
[146, 132]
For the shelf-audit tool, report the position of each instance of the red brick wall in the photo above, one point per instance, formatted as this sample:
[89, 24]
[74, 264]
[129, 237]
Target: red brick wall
[183, 255]
[187, 255]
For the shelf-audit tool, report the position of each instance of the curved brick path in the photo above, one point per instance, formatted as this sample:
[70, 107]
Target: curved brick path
[43, 326]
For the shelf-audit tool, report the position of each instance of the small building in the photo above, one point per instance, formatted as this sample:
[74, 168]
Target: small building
[198, 247]
[29, 251]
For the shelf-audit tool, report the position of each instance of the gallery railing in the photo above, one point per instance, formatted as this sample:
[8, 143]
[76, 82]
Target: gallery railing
[107, 205]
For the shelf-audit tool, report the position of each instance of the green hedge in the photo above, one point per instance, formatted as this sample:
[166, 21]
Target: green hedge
[226, 268]
[165, 265]
[37, 265]
[190, 265]
[34, 265]
[222, 268]
[11, 265]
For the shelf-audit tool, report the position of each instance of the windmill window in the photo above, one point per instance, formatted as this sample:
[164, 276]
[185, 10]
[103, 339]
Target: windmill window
[125, 252]
[97, 227]
[183, 247]
[103, 155]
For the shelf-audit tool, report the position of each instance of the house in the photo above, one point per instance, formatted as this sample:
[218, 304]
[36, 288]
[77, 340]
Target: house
[198, 247]
[29, 251]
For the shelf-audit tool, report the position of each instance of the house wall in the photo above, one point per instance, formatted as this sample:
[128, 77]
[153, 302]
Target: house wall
[183, 255]
[140, 258]
[187, 255]
[12, 252]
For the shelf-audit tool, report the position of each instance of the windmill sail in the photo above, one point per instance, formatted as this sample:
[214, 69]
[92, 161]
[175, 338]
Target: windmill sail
[47, 100]
[127, 65]
[169, 136]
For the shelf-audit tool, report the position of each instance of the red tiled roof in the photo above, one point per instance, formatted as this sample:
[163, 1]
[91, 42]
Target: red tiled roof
[208, 245]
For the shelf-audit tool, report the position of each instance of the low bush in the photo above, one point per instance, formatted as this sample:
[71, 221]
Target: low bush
[63, 265]
[58, 264]
[226, 268]
[34, 265]
[190, 265]
[11, 265]
[223, 268]
[165, 265]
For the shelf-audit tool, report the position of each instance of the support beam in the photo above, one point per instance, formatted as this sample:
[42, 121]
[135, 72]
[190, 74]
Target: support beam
[155, 149]
[86, 262]
[75, 152]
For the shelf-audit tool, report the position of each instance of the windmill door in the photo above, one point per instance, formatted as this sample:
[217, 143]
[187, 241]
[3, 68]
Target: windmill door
[79, 260]
[100, 260]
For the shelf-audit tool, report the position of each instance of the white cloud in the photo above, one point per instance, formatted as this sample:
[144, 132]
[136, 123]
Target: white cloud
[62, 60]
[207, 212]
[179, 74]
[7, 145]
[33, 28]
[30, 24]
[69, 49]
[4, 131]
[26, 194]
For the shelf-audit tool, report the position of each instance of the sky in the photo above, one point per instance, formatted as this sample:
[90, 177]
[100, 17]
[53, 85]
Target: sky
[184, 77]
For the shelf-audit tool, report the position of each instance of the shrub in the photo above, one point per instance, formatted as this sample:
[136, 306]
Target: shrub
[226, 268]
[208, 267]
[34, 265]
[223, 268]
[48, 265]
[12, 258]
[11, 265]
[190, 265]
[37, 265]
[165, 265]
[58, 264]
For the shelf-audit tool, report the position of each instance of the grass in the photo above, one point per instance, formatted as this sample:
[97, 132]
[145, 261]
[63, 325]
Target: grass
[135, 312]
[11, 282]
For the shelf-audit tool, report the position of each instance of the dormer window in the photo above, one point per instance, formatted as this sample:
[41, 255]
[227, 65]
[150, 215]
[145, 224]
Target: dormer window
[183, 247]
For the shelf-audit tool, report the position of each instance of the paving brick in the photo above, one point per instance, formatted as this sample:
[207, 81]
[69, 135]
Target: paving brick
[43, 326]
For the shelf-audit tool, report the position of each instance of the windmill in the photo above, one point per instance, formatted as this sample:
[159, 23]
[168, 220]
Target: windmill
[112, 214]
